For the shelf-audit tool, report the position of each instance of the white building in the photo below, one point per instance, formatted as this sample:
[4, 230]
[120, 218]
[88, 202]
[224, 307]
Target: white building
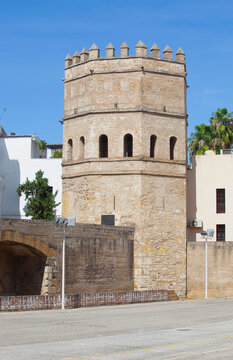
[20, 159]
[210, 195]
[51, 149]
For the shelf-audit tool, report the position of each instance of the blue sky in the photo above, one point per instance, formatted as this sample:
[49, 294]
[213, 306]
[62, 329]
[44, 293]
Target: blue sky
[35, 37]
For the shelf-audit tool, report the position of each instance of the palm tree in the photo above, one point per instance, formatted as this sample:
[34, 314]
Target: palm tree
[215, 136]
[220, 120]
[221, 116]
[42, 146]
[201, 140]
[225, 135]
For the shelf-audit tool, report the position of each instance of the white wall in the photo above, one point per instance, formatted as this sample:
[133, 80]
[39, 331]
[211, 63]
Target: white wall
[210, 172]
[17, 162]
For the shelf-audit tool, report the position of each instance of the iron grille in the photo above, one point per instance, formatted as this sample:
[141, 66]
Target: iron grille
[220, 201]
[220, 232]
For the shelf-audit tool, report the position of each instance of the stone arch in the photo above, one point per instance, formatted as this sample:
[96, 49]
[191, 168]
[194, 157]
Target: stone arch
[103, 146]
[128, 145]
[25, 262]
[29, 240]
[70, 149]
[153, 140]
[81, 147]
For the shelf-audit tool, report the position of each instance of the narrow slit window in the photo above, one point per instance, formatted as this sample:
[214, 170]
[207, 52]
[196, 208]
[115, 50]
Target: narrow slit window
[152, 145]
[220, 201]
[81, 147]
[103, 146]
[172, 147]
[128, 145]
[69, 149]
[220, 230]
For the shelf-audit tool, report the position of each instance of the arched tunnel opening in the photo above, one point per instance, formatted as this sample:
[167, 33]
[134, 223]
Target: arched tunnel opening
[21, 269]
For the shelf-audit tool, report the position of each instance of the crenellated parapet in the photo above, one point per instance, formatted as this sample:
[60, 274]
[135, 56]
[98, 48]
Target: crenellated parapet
[140, 51]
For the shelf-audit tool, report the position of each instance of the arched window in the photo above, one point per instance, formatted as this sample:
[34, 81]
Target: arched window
[69, 149]
[172, 147]
[153, 139]
[103, 146]
[81, 147]
[128, 145]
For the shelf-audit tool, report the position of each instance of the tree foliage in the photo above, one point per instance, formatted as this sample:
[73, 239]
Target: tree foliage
[40, 199]
[57, 154]
[221, 116]
[42, 146]
[218, 135]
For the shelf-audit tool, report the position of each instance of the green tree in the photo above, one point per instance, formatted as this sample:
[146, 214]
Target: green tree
[221, 116]
[201, 140]
[40, 199]
[42, 146]
[57, 154]
[215, 136]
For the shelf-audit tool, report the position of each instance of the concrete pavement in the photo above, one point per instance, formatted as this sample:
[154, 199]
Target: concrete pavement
[190, 329]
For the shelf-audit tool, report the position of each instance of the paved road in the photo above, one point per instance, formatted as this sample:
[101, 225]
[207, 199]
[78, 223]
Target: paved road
[179, 330]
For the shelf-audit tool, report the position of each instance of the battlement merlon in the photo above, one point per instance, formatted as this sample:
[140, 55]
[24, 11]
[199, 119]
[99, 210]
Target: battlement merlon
[140, 51]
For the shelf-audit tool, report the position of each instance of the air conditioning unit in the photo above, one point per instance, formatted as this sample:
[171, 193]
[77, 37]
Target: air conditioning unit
[196, 223]
[226, 151]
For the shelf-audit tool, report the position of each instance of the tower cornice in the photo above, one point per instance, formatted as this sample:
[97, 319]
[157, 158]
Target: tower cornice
[133, 159]
[124, 173]
[132, 110]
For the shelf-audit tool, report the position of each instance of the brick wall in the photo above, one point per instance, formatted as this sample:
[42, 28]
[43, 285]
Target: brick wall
[44, 302]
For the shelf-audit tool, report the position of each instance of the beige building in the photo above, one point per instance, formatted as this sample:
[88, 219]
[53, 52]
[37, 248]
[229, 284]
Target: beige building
[210, 192]
[124, 159]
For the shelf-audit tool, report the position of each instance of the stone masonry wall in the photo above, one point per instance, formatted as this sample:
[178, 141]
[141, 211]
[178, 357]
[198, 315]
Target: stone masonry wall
[98, 258]
[220, 269]
[160, 255]
[99, 261]
[156, 208]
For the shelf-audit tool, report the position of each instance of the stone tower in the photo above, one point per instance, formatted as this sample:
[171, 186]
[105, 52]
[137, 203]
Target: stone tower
[125, 153]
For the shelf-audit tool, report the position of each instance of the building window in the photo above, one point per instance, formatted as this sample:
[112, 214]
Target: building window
[220, 230]
[108, 220]
[81, 147]
[153, 139]
[69, 149]
[172, 147]
[103, 146]
[128, 145]
[220, 201]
